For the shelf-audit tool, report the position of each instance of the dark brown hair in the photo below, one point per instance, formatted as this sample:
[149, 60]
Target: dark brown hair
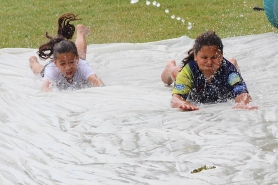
[208, 38]
[61, 42]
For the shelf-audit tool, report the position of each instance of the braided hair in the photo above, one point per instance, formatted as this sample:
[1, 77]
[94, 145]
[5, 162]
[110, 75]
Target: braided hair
[61, 42]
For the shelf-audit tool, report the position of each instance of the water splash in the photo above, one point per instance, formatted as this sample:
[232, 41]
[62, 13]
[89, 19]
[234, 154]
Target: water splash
[134, 1]
[167, 11]
[190, 25]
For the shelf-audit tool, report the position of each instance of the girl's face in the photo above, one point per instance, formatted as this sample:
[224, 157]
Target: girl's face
[67, 64]
[209, 60]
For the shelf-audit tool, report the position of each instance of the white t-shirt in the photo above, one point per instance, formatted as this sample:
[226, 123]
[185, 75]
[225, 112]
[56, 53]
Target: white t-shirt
[80, 78]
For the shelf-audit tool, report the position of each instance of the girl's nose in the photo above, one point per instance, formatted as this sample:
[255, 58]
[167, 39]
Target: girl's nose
[68, 66]
[209, 61]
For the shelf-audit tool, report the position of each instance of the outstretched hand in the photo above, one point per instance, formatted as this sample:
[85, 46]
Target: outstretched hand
[95, 81]
[245, 106]
[187, 106]
[242, 102]
[178, 102]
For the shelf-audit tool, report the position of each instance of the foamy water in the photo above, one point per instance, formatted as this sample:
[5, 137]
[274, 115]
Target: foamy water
[126, 132]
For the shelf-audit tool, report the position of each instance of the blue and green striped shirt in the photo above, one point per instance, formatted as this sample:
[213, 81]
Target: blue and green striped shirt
[226, 84]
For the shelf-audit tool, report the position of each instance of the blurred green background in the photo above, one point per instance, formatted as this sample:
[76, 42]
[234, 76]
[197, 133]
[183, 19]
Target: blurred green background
[24, 22]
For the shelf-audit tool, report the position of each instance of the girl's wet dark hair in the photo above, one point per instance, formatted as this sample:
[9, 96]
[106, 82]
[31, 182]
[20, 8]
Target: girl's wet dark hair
[61, 42]
[208, 38]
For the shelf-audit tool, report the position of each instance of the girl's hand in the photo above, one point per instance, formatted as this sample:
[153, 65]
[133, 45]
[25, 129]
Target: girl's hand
[46, 86]
[95, 81]
[187, 106]
[242, 102]
[245, 106]
[178, 102]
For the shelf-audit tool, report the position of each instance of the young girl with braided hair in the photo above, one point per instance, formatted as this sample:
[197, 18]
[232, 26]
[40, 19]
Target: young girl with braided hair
[68, 67]
[206, 76]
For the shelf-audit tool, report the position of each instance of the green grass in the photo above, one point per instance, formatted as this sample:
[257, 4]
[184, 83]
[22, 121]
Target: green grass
[24, 22]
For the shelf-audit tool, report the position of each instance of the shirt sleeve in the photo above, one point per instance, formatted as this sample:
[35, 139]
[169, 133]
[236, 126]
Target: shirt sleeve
[85, 69]
[184, 82]
[50, 72]
[238, 85]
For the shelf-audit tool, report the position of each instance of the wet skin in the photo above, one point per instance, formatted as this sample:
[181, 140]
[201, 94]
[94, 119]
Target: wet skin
[209, 60]
[67, 64]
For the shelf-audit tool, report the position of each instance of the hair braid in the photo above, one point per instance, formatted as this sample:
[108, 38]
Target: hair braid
[64, 27]
[65, 31]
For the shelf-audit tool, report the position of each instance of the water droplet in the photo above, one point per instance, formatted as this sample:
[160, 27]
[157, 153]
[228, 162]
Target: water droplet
[189, 27]
[134, 1]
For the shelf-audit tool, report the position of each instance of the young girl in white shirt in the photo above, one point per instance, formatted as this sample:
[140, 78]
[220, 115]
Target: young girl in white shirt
[68, 67]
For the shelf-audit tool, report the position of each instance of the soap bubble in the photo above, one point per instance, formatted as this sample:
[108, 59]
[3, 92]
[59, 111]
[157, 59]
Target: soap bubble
[178, 18]
[158, 4]
[154, 3]
[148, 2]
[173, 16]
[166, 11]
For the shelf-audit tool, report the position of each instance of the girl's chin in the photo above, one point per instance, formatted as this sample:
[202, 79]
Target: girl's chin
[68, 77]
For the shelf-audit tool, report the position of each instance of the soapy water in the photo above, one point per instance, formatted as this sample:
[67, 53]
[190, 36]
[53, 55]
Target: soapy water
[167, 11]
